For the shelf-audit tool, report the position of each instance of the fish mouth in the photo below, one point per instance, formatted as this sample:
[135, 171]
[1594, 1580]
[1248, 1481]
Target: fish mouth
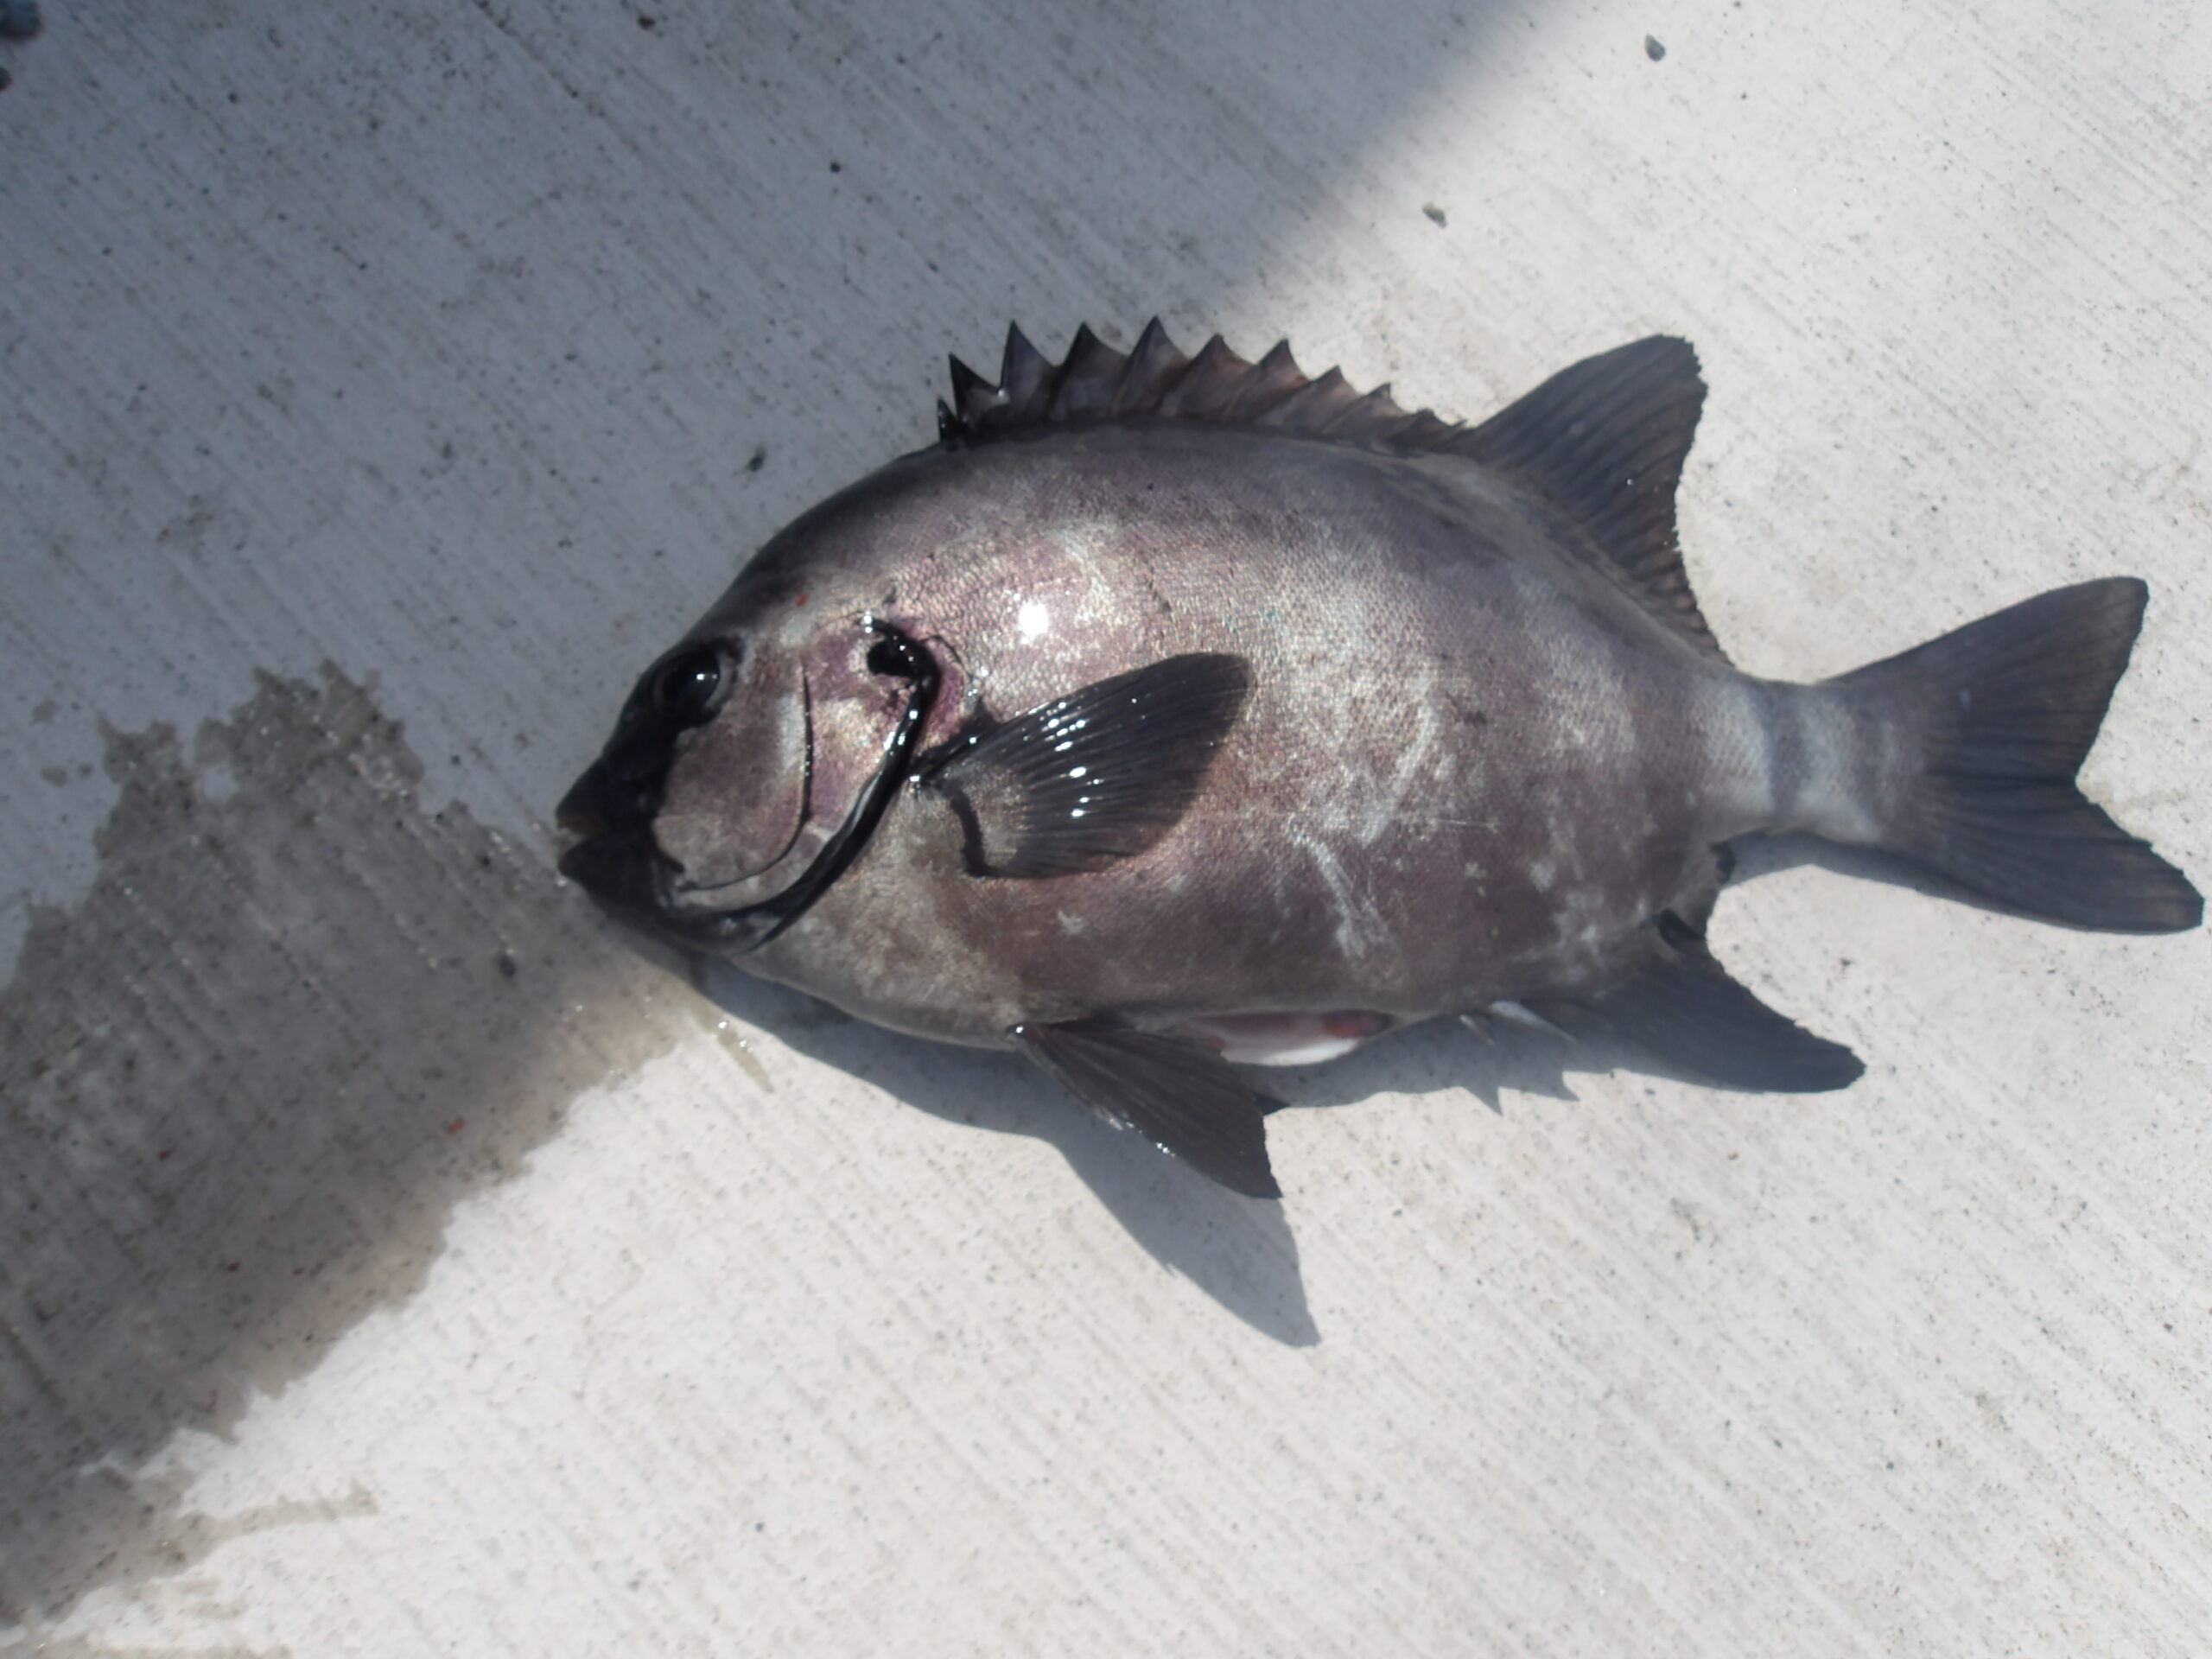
[615, 866]
[611, 853]
[626, 873]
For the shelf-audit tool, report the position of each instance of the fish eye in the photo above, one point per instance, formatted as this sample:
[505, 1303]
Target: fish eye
[896, 656]
[682, 690]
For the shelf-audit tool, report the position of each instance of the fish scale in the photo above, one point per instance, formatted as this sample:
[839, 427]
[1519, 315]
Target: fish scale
[1175, 711]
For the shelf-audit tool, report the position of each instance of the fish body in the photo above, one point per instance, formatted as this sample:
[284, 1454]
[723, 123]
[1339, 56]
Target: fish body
[1171, 712]
[1464, 776]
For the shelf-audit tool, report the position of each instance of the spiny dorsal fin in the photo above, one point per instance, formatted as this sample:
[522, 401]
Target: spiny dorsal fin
[1603, 442]
[1094, 382]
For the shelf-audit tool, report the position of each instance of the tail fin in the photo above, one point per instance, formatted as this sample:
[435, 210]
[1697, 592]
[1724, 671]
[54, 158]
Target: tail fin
[2004, 710]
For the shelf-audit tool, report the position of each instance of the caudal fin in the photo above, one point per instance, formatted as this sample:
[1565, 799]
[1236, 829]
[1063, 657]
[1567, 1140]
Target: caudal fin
[2004, 711]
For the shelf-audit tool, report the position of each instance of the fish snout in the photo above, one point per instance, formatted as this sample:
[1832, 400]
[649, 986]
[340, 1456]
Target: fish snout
[613, 796]
[611, 852]
[618, 868]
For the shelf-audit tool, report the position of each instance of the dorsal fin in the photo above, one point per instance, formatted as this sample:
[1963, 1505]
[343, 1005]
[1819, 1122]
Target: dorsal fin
[1094, 382]
[1603, 442]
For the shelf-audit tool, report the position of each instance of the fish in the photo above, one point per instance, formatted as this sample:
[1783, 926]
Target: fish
[1173, 713]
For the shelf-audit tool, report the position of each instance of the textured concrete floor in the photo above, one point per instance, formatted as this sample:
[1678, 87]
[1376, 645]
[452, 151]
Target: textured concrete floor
[394, 1261]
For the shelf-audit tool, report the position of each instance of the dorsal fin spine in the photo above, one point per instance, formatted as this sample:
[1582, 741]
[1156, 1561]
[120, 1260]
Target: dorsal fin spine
[1153, 366]
[971, 393]
[1021, 374]
[1088, 375]
[1207, 385]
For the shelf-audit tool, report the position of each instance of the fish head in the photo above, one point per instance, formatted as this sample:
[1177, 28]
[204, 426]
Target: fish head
[748, 765]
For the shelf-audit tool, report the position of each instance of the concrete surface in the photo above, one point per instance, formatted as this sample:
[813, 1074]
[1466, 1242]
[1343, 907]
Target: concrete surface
[394, 1259]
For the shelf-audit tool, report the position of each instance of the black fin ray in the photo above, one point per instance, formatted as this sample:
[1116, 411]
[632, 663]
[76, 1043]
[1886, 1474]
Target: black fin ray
[1683, 1006]
[1603, 441]
[1074, 784]
[1179, 1094]
[1269, 383]
[2004, 710]
[1088, 378]
[1314, 406]
[1154, 366]
[971, 394]
[1207, 387]
[1366, 417]
[1024, 372]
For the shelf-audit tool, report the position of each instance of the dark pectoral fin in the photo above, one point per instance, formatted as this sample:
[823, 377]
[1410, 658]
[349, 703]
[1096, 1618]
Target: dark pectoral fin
[1179, 1095]
[1076, 784]
[1683, 1006]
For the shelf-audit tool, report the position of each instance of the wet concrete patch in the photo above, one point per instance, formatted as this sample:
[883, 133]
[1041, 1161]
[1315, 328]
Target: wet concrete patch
[243, 1083]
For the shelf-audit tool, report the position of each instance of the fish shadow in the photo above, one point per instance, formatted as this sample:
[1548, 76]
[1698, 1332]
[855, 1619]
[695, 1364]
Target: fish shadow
[1239, 1251]
[1444, 1056]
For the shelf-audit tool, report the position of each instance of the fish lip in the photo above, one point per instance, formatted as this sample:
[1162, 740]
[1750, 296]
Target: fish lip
[618, 868]
[628, 877]
[614, 857]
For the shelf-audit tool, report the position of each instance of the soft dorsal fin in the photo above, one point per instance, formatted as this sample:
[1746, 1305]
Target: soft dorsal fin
[1603, 442]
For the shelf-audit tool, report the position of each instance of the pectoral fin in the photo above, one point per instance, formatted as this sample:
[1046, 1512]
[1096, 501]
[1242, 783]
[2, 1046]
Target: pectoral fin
[1683, 1006]
[1179, 1095]
[1073, 784]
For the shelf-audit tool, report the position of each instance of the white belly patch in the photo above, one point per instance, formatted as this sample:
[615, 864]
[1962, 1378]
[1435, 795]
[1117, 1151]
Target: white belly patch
[1286, 1039]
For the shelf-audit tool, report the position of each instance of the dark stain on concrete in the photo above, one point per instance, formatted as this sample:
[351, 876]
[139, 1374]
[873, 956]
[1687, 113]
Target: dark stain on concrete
[242, 1085]
[297, 1019]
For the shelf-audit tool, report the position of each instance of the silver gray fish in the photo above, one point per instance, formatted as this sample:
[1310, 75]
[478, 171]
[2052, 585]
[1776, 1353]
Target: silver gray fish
[1171, 712]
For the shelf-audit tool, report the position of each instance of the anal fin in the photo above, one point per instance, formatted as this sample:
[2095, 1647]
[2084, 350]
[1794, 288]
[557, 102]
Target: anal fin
[1179, 1094]
[1683, 1006]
